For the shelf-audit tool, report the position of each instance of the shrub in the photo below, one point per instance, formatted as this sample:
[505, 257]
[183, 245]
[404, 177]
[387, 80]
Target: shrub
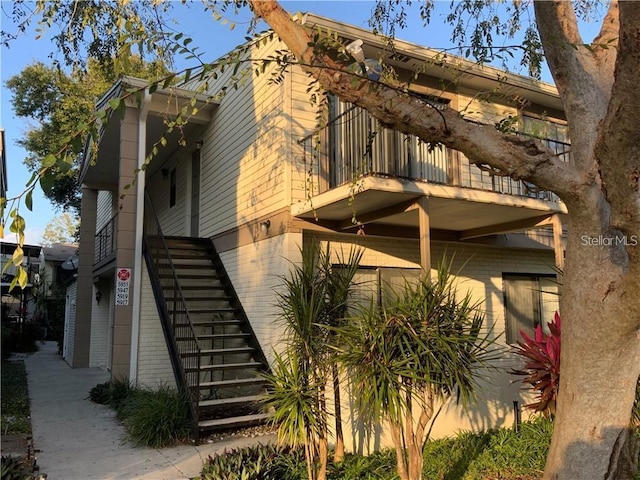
[101, 393]
[542, 367]
[14, 469]
[258, 462]
[20, 338]
[120, 389]
[155, 418]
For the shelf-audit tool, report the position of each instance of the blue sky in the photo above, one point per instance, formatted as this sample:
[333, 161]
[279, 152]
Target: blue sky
[212, 37]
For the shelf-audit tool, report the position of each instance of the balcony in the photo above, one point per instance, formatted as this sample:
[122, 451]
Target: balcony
[354, 145]
[105, 242]
[360, 173]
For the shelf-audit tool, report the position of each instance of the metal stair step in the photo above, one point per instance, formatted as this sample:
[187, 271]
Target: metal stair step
[222, 336]
[236, 382]
[213, 310]
[225, 366]
[190, 276]
[231, 422]
[215, 336]
[226, 402]
[215, 322]
[200, 299]
[219, 351]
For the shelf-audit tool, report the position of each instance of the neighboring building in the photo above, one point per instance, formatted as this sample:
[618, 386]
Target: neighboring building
[251, 188]
[60, 265]
[57, 278]
[18, 304]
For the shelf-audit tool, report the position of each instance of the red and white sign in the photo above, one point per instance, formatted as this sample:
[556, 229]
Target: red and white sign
[123, 281]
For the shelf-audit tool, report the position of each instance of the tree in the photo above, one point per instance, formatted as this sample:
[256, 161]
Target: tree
[62, 229]
[407, 359]
[60, 103]
[600, 186]
[313, 306]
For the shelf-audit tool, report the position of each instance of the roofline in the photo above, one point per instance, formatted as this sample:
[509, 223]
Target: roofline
[420, 52]
[142, 85]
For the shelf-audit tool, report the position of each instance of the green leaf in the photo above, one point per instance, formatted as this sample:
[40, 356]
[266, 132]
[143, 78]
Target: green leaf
[28, 200]
[114, 103]
[49, 161]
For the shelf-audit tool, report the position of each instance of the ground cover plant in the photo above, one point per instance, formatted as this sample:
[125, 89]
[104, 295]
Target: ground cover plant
[15, 399]
[497, 454]
[153, 418]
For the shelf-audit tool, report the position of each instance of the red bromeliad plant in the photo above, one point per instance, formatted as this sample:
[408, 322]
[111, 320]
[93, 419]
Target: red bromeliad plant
[542, 367]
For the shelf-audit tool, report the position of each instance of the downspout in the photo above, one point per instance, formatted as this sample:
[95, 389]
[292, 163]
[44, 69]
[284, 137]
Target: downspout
[137, 255]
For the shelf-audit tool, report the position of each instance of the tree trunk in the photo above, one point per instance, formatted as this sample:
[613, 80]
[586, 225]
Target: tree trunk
[600, 352]
[401, 459]
[338, 454]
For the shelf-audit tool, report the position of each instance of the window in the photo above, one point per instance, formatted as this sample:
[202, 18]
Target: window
[381, 284]
[172, 188]
[529, 300]
[555, 135]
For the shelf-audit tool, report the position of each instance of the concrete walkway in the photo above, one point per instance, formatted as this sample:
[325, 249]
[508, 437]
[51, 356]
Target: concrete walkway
[80, 440]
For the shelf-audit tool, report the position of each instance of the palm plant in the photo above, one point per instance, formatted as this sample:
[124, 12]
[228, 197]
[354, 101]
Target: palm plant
[339, 288]
[314, 301]
[406, 359]
[297, 383]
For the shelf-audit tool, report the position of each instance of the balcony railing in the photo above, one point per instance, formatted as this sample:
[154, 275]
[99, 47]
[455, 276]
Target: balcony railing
[105, 240]
[354, 144]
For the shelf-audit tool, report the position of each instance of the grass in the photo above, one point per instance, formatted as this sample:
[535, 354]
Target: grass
[15, 399]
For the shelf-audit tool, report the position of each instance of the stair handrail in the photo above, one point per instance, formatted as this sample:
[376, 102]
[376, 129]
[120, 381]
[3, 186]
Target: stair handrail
[168, 320]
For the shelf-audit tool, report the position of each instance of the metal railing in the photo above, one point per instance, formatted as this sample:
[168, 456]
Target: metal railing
[354, 144]
[174, 314]
[105, 240]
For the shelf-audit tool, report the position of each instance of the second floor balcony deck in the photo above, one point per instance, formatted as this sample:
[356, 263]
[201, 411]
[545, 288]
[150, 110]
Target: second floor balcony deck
[368, 171]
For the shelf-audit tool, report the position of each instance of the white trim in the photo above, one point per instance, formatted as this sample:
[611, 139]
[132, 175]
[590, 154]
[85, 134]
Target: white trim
[137, 259]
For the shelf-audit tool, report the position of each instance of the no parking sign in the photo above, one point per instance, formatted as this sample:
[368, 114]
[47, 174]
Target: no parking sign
[123, 280]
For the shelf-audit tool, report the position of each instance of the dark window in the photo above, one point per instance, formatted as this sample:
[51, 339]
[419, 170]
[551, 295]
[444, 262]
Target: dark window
[381, 285]
[530, 300]
[172, 188]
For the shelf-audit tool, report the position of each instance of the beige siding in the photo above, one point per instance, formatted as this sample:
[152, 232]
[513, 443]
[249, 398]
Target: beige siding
[100, 324]
[255, 271]
[480, 272]
[307, 115]
[173, 220]
[476, 106]
[244, 156]
[70, 322]
[154, 364]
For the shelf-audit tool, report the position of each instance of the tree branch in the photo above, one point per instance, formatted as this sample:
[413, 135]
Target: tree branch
[520, 158]
[584, 87]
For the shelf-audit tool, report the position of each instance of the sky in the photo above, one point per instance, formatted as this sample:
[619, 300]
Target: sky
[212, 37]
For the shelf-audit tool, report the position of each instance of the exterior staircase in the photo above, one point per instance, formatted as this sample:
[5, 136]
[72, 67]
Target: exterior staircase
[215, 354]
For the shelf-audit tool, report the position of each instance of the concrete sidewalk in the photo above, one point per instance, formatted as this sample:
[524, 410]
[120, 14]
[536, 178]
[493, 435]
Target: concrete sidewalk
[80, 440]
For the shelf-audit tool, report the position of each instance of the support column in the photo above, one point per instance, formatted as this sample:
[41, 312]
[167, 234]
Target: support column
[86, 259]
[125, 243]
[425, 235]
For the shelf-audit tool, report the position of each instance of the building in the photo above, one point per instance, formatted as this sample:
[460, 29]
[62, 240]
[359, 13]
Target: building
[19, 303]
[177, 270]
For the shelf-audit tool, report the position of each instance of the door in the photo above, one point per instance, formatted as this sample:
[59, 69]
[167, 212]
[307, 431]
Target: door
[195, 193]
